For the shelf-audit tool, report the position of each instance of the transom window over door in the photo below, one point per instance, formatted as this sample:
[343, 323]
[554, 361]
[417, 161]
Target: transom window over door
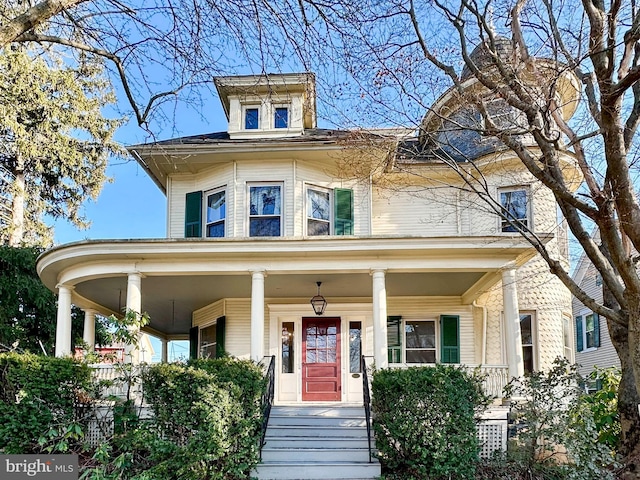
[265, 210]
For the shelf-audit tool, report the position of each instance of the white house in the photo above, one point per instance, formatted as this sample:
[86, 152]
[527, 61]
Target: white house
[270, 213]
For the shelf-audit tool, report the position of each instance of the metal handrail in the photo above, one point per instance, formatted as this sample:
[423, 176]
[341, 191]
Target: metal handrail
[267, 398]
[367, 401]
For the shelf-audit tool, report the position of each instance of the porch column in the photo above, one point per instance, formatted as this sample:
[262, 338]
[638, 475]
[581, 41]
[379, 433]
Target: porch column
[63, 321]
[512, 322]
[89, 332]
[257, 315]
[134, 304]
[380, 319]
[165, 350]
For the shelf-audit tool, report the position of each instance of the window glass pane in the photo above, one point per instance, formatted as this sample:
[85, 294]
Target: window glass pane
[265, 200]
[525, 329]
[355, 346]
[527, 353]
[215, 230]
[264, 227]
[590, 330]
[318, 205]
[420, 334]
[281, 119]
[515, 204]
[251, 118]
[287, 347]
[316, 227]
[216, 206]
[208, 342]
[421, 356]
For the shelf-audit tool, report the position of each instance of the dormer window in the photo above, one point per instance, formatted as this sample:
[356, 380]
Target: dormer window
[281, 117]
[251, 118]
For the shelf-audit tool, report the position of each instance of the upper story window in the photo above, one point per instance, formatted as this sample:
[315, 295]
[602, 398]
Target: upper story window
[216, 213]
[515, 209]
[587, 331]
[251, 117]
[265, 210]
[329, 211]
[419, 344]
[281, 117]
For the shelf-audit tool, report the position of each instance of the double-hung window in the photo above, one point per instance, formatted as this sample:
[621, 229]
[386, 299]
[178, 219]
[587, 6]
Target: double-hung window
[515, 209]
[329, 211]
[265, 210]
[216, 213]
[587, 331]
[423, 341]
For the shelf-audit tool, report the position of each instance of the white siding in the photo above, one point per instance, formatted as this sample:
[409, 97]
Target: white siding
[605, 355]
[420, 213]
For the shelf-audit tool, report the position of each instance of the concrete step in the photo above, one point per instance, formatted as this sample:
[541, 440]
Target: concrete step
[315, 431]
[317, 471]
[314, 455]
[314, 442]
[317, 442]
[330, 421]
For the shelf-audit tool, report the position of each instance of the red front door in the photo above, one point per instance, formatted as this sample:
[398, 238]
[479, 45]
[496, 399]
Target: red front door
[321, 359]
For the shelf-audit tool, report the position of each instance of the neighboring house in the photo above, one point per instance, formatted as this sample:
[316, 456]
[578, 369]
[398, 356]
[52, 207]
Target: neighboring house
[261, 213]
[593, 344]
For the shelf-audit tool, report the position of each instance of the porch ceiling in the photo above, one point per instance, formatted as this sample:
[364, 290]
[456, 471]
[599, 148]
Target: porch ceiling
[170, 300]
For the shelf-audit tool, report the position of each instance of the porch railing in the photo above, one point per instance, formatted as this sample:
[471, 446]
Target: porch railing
[366, 400]
[267, 397]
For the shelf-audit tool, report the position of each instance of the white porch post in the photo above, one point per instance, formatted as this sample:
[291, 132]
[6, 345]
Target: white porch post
[89, 332]
[134, 303]
[257, 315]
[63, 321]
[379, 319]
[512, 322]
[165, 350]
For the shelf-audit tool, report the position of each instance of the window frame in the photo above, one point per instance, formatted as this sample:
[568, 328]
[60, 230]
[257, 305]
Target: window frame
[503, 225]
[281, 215]
[245, 109]
[435, 341]
[596, 332]
[398, 351]
[330, 222]
[274, 110]
[205, 208]
[534, 337]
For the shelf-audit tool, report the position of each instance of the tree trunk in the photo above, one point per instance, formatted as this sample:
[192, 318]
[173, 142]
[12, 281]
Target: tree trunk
[16, 232]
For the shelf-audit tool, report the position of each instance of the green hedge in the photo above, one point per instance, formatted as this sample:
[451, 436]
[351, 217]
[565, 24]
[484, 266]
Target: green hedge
[206, 421]
[424, 421]
[38, 400]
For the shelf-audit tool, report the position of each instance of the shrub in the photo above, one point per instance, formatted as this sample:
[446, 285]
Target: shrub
[39, 397]
[557, 431]
[425, 421]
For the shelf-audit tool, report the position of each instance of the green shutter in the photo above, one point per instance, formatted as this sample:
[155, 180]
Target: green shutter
[193, 342]
[193, 215]
[220, 331]
[343, 211]
[449, 339]
[394, 339]
[596, 330]
[579, 339]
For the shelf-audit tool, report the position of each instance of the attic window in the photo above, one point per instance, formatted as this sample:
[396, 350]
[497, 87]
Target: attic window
[281, 117]
[251, 118]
